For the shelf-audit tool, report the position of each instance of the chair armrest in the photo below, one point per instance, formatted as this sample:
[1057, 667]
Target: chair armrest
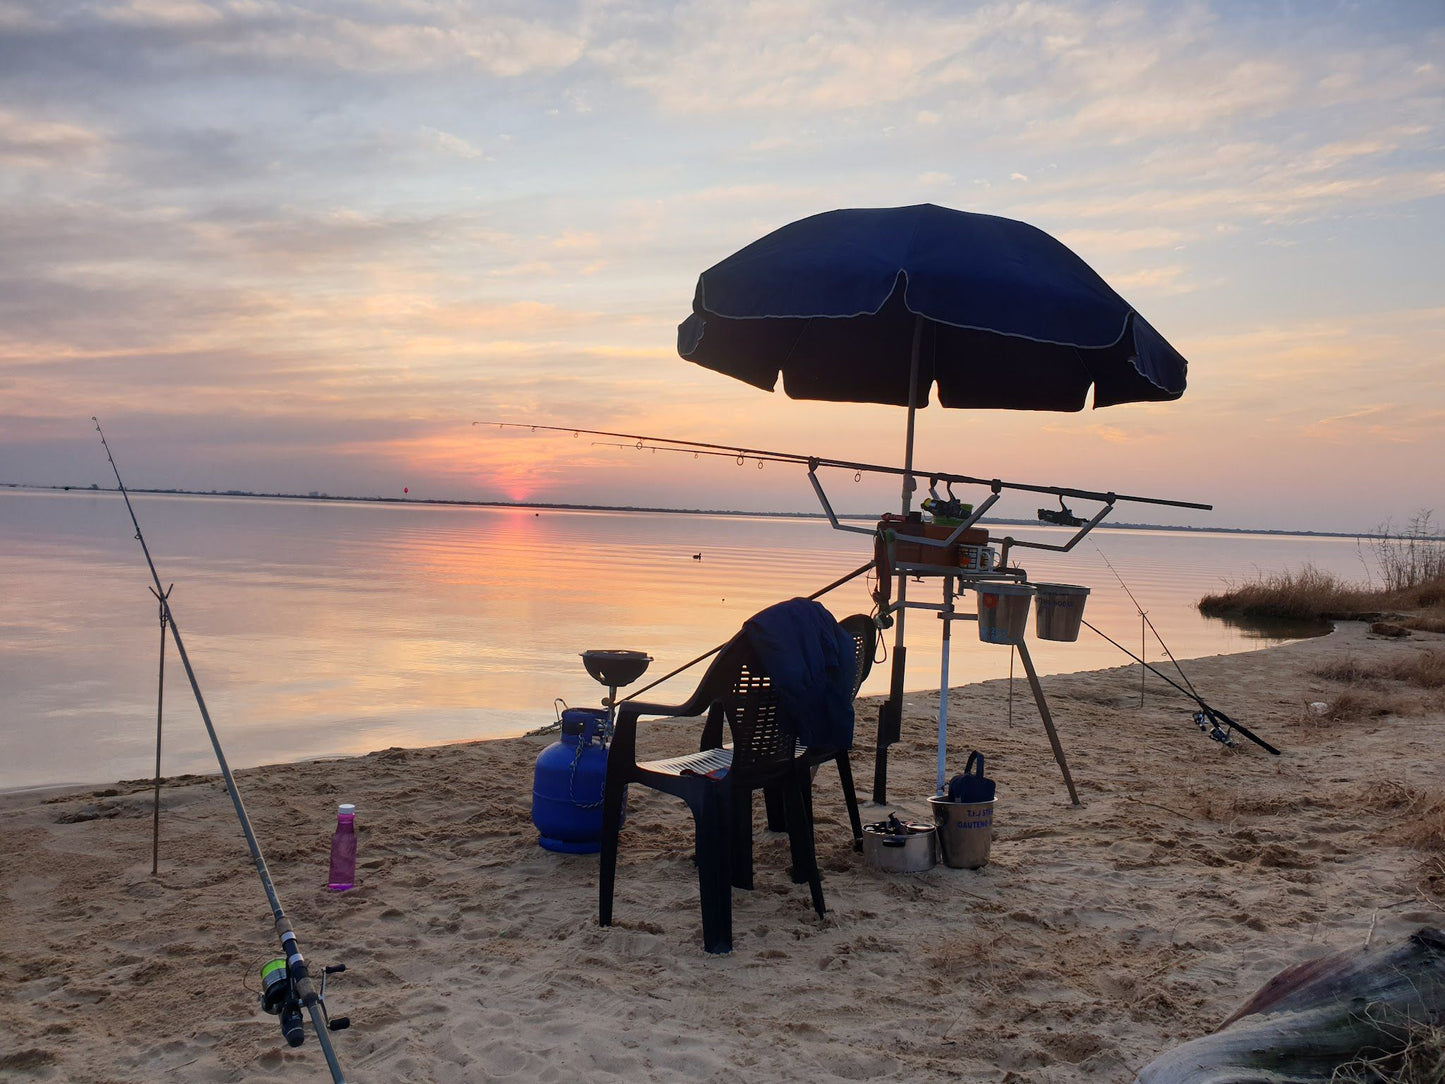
[637, 708]
[624, 733]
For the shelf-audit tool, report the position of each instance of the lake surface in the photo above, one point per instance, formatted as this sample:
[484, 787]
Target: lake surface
[321, 628]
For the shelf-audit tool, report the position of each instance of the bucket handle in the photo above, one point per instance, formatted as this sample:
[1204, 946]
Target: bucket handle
[968, 767]
[559, 706]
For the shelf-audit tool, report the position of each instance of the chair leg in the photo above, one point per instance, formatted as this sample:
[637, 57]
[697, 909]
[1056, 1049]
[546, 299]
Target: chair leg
[850, 795]
[777, 816]
[613, 796]
[741, 839]
[798, 874]
[712, 816]
[800, 838]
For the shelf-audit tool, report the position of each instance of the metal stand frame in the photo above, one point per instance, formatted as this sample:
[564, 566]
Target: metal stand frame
[890, 713]
[947, 613]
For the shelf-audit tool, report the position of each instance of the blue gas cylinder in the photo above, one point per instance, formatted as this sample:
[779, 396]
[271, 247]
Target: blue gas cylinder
[567, 785]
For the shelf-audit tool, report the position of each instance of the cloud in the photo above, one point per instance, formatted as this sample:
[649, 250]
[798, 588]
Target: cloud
[1154, 281]
[1400, 423]
[795, 57]
[1122, 240]
[1174, 103]
[31, 142]
[275, 218]
[453, 144]
[359, 38]
[166, 13]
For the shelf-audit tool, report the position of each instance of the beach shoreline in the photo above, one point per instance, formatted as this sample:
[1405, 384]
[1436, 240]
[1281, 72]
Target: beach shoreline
[1094, 939]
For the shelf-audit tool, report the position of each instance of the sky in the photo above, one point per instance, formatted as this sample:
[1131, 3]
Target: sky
[302, 247]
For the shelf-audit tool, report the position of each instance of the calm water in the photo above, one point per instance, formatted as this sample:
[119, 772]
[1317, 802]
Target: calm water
[322, 628]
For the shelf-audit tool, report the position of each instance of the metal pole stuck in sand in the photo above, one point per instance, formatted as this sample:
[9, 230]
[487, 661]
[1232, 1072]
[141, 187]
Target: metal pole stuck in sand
[160, 699]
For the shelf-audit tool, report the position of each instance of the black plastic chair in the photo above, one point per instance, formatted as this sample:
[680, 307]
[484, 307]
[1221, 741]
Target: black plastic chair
[865, 642]
[717, 783]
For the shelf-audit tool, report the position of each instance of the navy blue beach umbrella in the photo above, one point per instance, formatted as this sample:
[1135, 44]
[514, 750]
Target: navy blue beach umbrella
[995, 312]
[879, 305]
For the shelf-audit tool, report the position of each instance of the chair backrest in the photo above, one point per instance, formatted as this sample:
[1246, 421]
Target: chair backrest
[762, 734]
[865, 641]
[741, 692]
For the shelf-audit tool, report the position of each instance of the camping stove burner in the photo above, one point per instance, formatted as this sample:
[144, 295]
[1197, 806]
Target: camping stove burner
[615, 668]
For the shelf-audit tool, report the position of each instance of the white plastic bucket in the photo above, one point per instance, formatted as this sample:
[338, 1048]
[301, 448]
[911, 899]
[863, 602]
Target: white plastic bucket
[1003, 611]
[1060, 611]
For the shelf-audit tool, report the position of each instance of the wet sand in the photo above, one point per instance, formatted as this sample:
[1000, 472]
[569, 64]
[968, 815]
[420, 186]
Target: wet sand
[1094, 939]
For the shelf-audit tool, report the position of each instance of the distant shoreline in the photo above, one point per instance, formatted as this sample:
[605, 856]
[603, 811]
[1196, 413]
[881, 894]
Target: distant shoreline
[555, 506]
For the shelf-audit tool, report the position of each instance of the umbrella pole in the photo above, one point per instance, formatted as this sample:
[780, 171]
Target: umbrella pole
[890, 715]
[947, 615]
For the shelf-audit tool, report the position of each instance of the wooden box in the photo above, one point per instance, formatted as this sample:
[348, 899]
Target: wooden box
[916, 553]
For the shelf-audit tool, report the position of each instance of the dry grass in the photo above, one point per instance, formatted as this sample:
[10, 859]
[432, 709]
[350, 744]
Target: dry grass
[1422, 825]
[1373, 689]
[1350, 670]
[1412, 556]
[1310, 594]
[1419, 1058]
[1424, 669]
[1418, 812]
[1357, 704]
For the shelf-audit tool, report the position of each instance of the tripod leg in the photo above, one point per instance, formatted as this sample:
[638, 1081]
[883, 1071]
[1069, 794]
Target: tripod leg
[1048, 720]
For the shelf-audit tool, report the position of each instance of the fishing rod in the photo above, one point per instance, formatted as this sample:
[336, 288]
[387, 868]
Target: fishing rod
[1145, 615]
[287, 983]
[812, 462]
[839, 582]
[1213, 714]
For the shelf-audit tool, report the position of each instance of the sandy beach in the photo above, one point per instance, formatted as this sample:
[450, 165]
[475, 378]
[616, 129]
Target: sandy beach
[1096, 938]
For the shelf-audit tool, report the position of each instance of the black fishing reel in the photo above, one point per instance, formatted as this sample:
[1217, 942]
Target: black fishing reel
[952, 508]
[1208, 724]
[280, 998]
[1062, 517]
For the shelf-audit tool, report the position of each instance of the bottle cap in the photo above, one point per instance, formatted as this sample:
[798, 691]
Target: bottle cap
[346, 810]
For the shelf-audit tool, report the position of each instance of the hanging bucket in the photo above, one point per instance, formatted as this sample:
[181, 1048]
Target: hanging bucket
[1060, 611]
[1003, 611]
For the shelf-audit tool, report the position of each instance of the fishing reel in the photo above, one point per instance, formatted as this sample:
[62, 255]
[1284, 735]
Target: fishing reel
[1208, 724]
[280, 998]
[1063, 517]
[949, 507]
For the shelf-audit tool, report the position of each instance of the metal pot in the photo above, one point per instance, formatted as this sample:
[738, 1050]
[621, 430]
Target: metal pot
[900, 846]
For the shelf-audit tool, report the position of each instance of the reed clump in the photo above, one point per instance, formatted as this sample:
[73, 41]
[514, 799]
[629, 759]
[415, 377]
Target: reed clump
[1307, 594]
[1411, 557]
[1405, 574]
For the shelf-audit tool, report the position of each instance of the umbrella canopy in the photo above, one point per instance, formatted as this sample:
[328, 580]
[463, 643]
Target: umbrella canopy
[1001, 314]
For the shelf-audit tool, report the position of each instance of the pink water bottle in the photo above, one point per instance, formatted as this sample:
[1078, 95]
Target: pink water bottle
[343, 850]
